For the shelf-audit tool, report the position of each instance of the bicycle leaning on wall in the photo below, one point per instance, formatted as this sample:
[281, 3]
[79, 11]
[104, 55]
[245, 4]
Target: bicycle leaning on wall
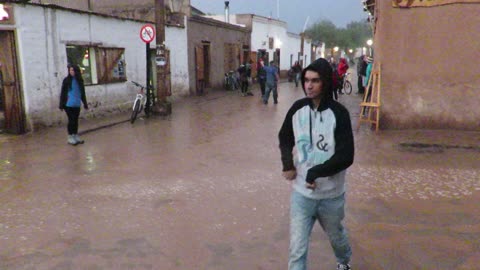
[231, 81]
[139, 103]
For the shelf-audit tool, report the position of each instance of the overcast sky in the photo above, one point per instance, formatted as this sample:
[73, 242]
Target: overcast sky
[294, 12]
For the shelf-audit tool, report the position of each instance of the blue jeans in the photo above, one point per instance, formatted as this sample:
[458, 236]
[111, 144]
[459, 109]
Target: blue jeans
[303, 214]
[270, 88]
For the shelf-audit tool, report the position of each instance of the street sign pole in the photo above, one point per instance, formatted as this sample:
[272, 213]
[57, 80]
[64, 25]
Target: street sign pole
[147, 34]
[149, 89]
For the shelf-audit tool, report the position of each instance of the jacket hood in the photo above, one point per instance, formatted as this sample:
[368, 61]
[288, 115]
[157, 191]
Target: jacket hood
[323, 68]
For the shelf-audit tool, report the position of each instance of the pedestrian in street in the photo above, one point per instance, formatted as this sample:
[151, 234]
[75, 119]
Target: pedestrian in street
[342, 69]
[367, 77]
[335, 79]
[361, 73]
[271, 83]
[262, 76]
[320, 130]
[297, 70]
[244, 73]
[71, 97]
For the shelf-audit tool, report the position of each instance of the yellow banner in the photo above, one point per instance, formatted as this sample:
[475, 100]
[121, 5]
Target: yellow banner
[428, 3]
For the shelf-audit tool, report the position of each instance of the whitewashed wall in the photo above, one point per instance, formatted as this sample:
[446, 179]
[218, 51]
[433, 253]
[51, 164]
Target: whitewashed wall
[176, 40]
[43, 34]
[292, 47]
[263, 28]
[307, 52]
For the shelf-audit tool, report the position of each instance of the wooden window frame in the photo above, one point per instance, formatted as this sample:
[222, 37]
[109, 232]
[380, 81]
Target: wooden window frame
[107, 64]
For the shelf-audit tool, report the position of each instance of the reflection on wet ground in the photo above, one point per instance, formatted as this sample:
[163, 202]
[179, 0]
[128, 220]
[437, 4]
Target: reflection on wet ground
[202, 190]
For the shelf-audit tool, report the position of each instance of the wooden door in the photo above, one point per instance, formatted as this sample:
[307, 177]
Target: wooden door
[253, 61]
[12, 98]
[200, 69]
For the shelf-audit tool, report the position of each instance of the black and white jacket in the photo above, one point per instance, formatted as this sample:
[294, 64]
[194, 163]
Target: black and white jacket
[324, 147]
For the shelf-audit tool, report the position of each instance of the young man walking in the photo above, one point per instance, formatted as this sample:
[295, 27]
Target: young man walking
[320, 130]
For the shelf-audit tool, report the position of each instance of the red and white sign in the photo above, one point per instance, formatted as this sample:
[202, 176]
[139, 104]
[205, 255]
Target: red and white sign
[147, 33]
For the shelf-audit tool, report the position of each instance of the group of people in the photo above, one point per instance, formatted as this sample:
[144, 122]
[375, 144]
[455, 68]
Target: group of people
[364, 68]
[268, 77]
[339, 72]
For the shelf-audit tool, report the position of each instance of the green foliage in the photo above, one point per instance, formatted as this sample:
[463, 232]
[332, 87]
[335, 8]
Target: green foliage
[354, 35]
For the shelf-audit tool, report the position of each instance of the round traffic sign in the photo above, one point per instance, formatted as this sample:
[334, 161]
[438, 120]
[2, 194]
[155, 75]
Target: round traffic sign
[147, 33]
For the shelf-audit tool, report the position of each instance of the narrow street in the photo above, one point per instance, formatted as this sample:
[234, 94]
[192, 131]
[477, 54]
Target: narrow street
[203, 190]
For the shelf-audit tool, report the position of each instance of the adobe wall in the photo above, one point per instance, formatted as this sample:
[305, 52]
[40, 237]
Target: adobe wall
[430, 66]
[217, 34]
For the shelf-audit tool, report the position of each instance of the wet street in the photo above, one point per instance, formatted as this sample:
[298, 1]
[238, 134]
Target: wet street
[202, 189]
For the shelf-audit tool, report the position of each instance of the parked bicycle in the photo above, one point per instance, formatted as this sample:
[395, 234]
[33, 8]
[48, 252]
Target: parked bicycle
[347, 85]
[139, 103]
[231, 81]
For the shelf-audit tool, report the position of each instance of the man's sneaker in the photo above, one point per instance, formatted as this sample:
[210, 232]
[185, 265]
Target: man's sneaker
[71, 140]
[77, 139]
[341, 266]
[250, 93]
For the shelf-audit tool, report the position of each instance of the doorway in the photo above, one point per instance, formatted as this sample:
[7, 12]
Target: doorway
[202, 67]
[276, 57]
[12, 111]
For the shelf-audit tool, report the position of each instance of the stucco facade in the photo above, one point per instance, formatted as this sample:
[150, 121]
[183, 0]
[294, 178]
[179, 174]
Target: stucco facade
[269, 34]
[176, 40]
[264, 28]
[42, 36]
[213, 35]
[429, 66]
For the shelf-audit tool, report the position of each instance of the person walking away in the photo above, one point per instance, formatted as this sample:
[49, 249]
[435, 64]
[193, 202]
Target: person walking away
[297, 69]
[341, 70]
[271, 83]
[71, 97]
[333, 65]
[320, 131]
[262, 76]
[361, 73]
[243, 73]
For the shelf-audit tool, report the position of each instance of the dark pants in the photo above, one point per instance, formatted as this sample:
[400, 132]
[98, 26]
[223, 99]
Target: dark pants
[361, 88]
[262, 85]
[244, 85]
[72, 113]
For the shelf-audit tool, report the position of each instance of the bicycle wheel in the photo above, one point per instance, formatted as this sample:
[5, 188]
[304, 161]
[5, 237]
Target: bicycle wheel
[135, 111]
[347, 87]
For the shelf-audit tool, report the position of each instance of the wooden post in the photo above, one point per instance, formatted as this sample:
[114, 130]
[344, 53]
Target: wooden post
[162, 107]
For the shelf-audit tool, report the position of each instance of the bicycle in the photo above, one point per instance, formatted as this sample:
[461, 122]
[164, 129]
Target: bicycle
[347, 85]
[139, 103]
[230, 80]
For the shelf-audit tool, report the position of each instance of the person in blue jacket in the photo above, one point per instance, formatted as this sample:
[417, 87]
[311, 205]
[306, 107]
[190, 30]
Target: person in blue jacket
[320, 131]
[71, 97]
